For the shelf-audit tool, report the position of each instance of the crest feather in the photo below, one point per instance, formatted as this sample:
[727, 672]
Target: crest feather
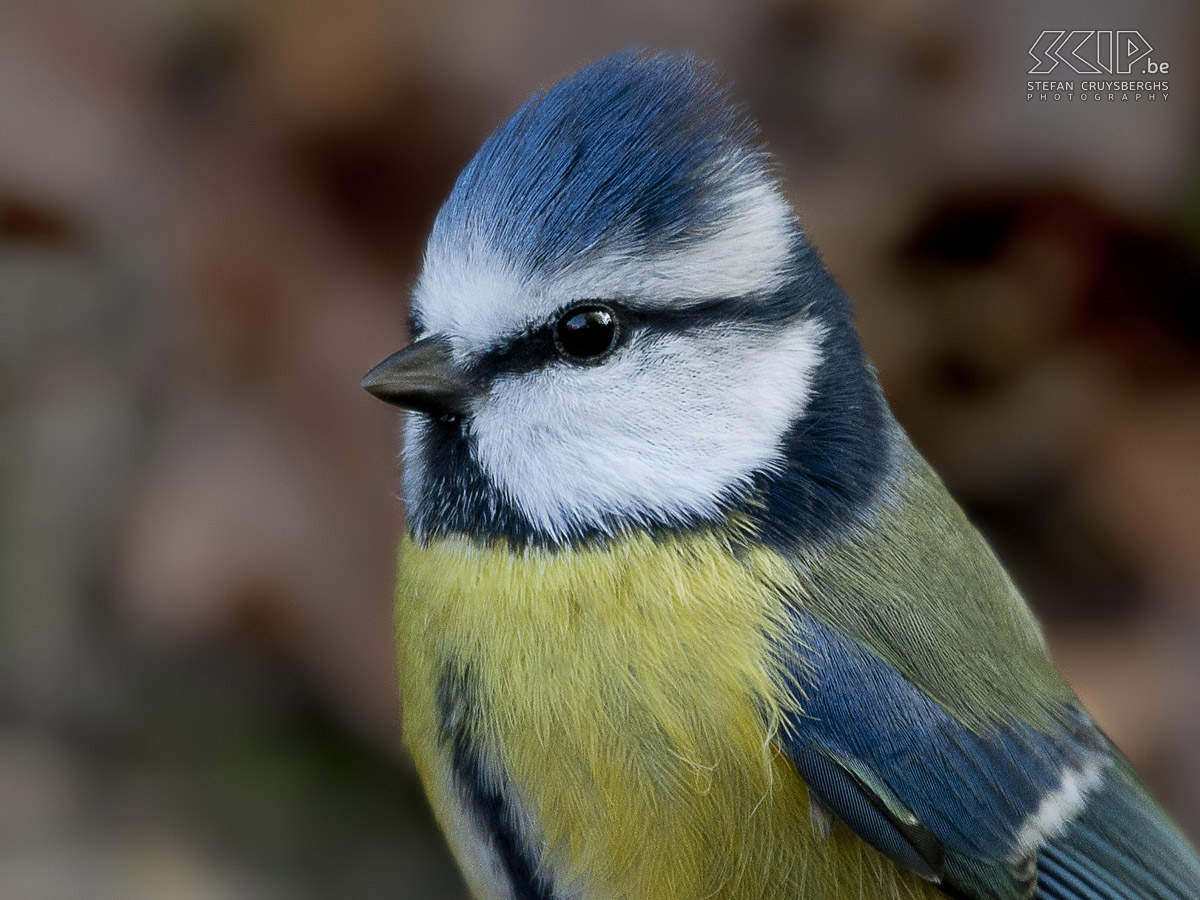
[646, 151]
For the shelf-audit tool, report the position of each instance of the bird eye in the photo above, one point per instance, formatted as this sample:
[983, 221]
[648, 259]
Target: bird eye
[586, 333]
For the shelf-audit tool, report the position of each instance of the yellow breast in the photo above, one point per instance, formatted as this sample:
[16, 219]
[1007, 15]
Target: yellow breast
[630, 697]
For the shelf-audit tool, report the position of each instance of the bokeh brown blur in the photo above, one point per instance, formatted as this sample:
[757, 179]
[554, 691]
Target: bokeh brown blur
[210, 214]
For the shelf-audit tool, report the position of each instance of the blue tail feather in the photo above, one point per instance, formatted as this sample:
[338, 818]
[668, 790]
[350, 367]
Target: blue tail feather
[1122, 847]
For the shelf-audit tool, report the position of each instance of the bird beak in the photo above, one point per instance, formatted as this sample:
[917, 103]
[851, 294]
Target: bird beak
[421, 377]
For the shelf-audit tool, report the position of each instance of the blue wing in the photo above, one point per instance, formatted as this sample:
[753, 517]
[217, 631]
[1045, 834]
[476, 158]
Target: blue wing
[980, 813]
[1121, 846]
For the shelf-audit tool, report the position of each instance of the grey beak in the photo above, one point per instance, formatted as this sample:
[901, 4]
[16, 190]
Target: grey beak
[421, 377]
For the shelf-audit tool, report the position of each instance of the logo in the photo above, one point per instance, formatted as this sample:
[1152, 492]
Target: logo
[1093, 52]
[1124, 54]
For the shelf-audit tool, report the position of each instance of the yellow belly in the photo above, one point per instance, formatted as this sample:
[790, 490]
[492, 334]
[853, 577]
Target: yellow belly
[629, 696]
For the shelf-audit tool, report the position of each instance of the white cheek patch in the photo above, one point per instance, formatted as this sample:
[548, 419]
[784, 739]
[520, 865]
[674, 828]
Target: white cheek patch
[666, 430]
[474, 294]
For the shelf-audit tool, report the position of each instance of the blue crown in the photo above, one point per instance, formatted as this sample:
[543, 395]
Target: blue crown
[642, 149]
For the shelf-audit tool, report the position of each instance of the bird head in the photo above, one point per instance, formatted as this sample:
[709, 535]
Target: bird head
[618, 322]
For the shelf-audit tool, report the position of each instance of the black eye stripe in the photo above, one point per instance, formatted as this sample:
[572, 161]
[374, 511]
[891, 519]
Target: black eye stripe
[536, 348]
[525, 352]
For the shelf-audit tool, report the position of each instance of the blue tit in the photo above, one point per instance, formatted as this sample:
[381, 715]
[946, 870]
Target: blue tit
[681, 612]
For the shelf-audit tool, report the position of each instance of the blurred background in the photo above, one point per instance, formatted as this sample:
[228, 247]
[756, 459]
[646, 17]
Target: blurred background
[210, 215]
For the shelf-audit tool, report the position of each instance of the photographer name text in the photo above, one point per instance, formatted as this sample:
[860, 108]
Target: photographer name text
[1102, 91]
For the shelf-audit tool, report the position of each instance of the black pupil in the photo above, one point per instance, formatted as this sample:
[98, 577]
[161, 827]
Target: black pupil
[587, 332]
